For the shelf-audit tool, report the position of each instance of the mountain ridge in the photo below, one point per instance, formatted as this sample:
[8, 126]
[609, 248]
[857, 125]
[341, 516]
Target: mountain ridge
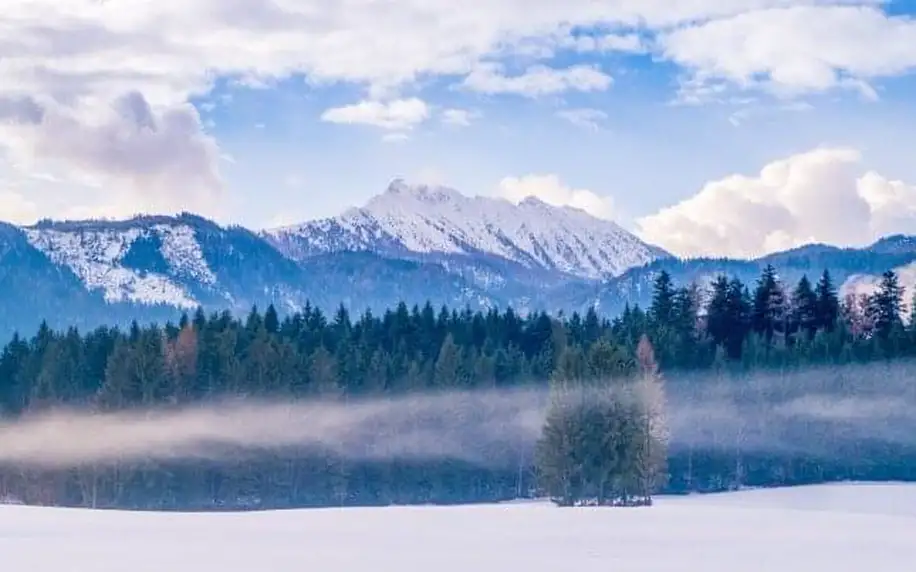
[413, 220]
[152, 267]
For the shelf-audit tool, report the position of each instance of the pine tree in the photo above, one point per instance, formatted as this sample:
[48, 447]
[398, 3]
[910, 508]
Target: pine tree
[828, 303]
[447, 371]
[805, 309]
[271, 320]
[768, 314]
[718, 322]
[886, 305]
[737, 317]
[661, 310]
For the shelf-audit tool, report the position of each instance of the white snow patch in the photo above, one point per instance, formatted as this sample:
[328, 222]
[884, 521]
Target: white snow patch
[426, 219]
[95, 255]
[183, 253]
[833, 528]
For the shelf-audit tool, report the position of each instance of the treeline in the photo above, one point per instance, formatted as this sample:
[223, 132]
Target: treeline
[729, 326]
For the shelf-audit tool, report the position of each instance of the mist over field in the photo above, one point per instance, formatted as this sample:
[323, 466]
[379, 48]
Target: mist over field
[818, 411]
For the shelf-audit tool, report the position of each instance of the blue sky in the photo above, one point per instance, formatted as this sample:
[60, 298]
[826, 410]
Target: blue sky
[713, 127]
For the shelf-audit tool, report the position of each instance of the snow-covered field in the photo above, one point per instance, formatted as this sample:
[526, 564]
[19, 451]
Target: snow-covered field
[822, 528]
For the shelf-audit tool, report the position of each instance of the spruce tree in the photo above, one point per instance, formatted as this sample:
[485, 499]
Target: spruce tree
[768, 313]
[805, 309]
[738, 317]
[661, 311]
[886, 305]
[828, 303]
[718, 322]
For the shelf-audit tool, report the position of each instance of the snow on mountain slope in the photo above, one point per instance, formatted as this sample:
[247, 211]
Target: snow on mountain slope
[97, 253]
[183, 253]
[437, 220]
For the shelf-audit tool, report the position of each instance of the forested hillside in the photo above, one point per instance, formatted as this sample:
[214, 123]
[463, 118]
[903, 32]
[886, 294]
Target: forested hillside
[728, 333]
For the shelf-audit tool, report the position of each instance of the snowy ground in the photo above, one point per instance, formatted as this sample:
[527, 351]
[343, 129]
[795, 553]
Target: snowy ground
[831, 528]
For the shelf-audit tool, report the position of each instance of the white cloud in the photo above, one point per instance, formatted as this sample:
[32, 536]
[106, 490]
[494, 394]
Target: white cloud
[823, 195]
[172, 48]
[537, 80]
[398, 114]
[459, 117]
[155, 158]
[78, 60]
[551, 190]
[16, 209]
[585, 118]
[632, 43]
[795, 50]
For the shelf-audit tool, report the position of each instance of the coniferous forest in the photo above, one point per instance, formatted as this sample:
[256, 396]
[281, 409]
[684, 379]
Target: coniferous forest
[728, 332]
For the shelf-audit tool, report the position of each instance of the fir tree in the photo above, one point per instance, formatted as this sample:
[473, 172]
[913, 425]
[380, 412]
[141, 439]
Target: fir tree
[828, 303]
[886, 305]
[661, 310]
[768, 315]
[805, 309]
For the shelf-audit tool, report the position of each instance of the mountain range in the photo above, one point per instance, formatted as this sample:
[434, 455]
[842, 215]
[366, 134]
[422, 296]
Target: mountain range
[410, 243]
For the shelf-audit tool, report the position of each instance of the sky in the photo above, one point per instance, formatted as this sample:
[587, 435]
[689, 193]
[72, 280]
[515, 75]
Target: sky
[707, 127]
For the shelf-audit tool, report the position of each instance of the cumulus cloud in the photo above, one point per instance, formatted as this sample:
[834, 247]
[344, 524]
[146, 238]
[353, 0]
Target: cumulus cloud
[585, 118]
[537, 80]
[459, 117]
[154, 159]
[170, 49]
[81, 58]
[398, 114]
[15, 208]
[823, 195]
[551, 190]
[794, 50]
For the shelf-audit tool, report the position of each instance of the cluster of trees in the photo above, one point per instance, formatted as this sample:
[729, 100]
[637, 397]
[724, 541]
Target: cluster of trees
[773, 324]
[729, 326]
[604, 440]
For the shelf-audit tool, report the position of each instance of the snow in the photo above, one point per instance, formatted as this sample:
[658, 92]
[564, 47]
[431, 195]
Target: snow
[834, 527]
[183, 253]
[95, 253]
[424, 219]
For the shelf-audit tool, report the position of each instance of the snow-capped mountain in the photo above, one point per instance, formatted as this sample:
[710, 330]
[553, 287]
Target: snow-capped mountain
[89, 273]
[438, 222]
[409, 244]
[178, 262]
[147, 262]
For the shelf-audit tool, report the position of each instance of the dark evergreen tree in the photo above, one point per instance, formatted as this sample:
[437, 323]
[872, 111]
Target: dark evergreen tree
[886, 305]
[738, 317]
[417, 349]
[663, 299]
[718, 320]
[769, 311]
[828, 303]
[804, 312]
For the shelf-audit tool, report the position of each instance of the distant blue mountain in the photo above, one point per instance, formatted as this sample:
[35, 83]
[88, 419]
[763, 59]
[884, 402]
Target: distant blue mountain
[413, 245]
